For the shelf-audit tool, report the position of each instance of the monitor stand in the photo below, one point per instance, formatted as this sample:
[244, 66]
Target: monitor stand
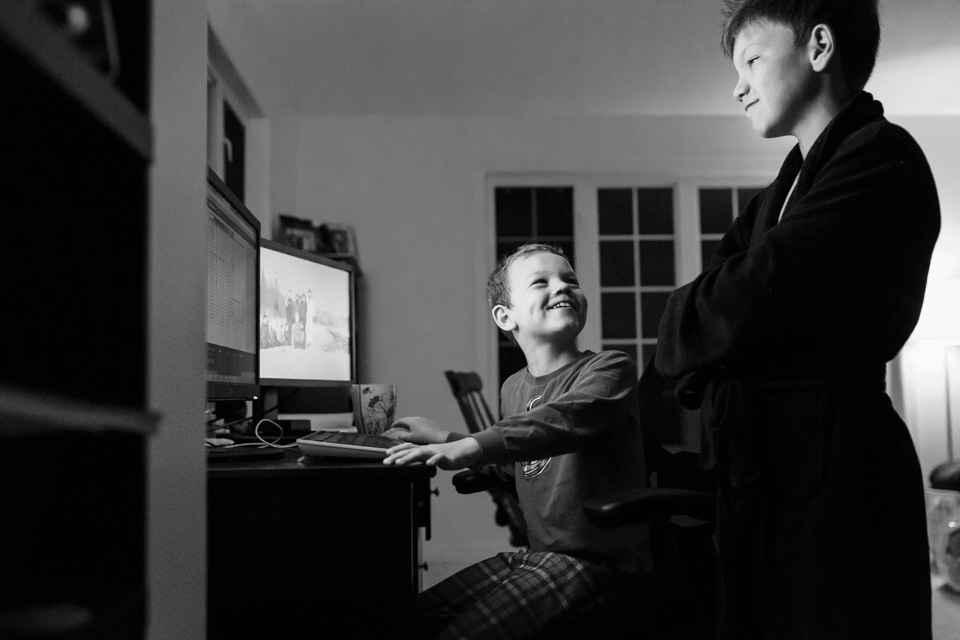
[266, 405]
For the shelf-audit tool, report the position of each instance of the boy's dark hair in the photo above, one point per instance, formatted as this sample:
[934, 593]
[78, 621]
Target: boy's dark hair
[498, 285]
[856, 24]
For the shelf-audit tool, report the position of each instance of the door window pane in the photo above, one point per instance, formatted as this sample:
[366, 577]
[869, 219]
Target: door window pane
[554, 208]
[652, 306]
[655, 211]
[615, 211]
[514, 211]
[619, 315]
[616, 263]
[716, 210]
[657, 263]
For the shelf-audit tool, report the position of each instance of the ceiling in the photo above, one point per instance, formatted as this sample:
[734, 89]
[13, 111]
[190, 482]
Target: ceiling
[560, 57]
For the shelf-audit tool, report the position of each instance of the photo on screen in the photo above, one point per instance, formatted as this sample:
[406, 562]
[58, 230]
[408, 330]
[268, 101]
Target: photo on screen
[305, 321]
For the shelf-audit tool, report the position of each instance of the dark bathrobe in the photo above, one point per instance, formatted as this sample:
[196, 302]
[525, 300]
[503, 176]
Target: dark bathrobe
[782, 342]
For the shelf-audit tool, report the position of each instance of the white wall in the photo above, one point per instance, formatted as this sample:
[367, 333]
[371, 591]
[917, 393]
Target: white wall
[176, 529]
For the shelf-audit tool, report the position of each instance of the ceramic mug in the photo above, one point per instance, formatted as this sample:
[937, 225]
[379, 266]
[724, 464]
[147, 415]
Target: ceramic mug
[374, 406]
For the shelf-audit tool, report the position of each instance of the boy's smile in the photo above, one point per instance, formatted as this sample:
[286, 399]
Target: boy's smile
[546, 301]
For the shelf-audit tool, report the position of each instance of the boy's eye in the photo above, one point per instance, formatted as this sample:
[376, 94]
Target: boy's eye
[752, 60]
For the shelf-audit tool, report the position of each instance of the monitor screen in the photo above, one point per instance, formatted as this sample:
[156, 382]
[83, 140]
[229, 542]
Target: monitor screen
[233, 240]
[307, 335]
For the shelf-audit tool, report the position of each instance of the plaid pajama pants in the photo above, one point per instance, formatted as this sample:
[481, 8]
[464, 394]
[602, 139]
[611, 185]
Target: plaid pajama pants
[516, 595]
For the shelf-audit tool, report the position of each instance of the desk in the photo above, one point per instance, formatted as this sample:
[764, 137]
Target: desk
[308, 549]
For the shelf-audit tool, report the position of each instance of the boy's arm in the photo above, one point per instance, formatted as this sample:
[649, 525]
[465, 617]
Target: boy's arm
[598, 399]
[848, 250]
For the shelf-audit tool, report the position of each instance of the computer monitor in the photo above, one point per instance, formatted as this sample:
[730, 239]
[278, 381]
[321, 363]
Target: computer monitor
[233, 242]
[307, 321]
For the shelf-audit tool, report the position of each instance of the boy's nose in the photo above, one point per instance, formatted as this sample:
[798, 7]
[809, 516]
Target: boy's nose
[740, 89]
[561, 286]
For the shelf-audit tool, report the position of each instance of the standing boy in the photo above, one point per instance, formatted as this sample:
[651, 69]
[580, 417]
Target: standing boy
[783, 339]
[571, 429]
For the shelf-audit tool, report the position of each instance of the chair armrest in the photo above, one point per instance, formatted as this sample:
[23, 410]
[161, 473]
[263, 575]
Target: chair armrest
[646, 505]
[474, 481]
[946, 476]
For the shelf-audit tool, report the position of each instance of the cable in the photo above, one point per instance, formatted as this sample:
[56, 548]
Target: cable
[263, 441]
[256, 432]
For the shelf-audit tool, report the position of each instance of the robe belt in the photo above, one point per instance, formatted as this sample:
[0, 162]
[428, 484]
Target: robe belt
[728, 418]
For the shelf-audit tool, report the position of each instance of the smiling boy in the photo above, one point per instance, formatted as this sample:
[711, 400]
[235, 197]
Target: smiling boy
[570, 430]
[782, 341]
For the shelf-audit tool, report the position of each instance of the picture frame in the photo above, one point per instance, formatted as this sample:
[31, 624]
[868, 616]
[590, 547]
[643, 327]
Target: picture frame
[339, 241]
[90, 26]
[297, 233]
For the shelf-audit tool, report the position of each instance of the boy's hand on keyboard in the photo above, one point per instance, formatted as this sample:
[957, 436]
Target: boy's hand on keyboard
[417, 430]
[452, 456]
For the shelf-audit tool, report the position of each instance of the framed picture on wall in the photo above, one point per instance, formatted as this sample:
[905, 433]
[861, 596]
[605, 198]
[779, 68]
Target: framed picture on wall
[297, 233]
[339, 241]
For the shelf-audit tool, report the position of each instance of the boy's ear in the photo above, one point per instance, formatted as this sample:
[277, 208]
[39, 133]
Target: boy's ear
[821, 48]
[503, 318]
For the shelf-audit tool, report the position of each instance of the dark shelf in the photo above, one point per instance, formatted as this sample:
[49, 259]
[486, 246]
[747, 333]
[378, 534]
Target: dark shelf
[74, 423]
[77, 196]
[26, 412]
[30, 34]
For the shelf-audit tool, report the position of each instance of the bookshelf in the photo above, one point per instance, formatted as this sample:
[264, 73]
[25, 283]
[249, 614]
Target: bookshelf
[74, 422]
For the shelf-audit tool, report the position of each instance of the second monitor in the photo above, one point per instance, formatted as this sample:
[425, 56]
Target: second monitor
[307, 323]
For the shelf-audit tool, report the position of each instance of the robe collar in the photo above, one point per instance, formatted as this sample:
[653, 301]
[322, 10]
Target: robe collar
[861, 110]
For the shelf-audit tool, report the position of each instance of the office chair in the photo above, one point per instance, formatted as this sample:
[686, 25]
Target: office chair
[468, 390]
[946, 476]
[680, 507]
[676, 601]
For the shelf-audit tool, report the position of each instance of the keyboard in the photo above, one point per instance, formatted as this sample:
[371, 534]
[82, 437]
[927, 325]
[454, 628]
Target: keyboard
[346, 445]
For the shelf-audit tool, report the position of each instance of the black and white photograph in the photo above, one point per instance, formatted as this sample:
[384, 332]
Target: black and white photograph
[304, 319]
[668, 291]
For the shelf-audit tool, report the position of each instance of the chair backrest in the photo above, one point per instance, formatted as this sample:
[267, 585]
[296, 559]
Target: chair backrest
[468, 390]
[683, 547]
[671, 435]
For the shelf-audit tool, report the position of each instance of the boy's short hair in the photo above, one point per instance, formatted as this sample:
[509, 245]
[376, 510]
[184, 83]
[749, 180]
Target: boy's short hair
[498, 285]
[856, 24]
